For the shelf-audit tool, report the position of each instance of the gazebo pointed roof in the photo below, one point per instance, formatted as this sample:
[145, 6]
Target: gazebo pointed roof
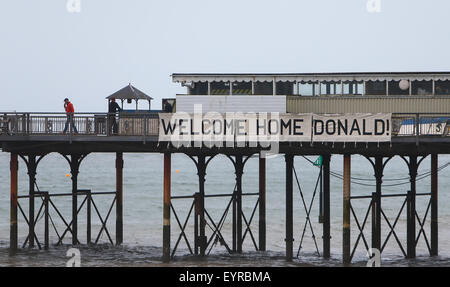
[130, 92]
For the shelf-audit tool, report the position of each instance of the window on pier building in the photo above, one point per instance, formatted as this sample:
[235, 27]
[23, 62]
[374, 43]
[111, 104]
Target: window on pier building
[242, 88]
[395, 90]
[199, 88]
[422, 88]
[263, 88]
[307, 89]
[220, 88]
[442, 87]
[352, 88]
[375, 88]
[285, 88]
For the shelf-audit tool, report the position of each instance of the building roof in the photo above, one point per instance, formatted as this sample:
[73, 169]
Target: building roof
[309, 77]
[130, 92]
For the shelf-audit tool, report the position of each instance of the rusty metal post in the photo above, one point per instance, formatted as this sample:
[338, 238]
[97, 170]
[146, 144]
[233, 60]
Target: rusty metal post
[201, 172]
[13, 235]
[411, 211]
[166, 212]
[119, 198]
[289, 206]
[326, 205]
[346, 211]
[32, 179]
[434, 205]
[262, 203]
[239, 173]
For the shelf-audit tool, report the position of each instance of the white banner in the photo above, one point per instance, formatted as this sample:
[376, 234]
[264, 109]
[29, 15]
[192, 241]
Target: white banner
[352, 128]
[235, 127]
[273, 127]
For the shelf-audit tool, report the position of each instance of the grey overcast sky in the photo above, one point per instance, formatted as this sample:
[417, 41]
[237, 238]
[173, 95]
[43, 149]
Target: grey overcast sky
[47, 53]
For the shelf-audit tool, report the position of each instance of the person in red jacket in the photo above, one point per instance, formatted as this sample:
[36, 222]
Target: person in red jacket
[68, 106]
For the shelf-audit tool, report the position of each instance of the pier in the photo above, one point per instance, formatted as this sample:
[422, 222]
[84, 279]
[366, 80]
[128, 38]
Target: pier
[377, 115]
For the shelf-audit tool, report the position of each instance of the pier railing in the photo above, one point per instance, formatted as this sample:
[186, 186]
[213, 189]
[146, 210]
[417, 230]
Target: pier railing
[147, 124]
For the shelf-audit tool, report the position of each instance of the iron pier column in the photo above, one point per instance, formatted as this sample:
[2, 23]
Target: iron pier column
[289, 206]
[434, 205]
[88, 217]
[239, 173]
[346, 211]
[119, 198]
[411, 217]
[166, 210]
[13, 237]
[376, 222]
[201, 171]
[326, 205]
[75, 161]
[262, 203]
[32, 165]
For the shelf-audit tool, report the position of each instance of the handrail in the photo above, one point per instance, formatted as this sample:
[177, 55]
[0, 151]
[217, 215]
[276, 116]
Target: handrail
[146, 124]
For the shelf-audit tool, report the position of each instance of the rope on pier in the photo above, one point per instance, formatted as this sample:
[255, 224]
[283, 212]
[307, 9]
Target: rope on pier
[356, 179]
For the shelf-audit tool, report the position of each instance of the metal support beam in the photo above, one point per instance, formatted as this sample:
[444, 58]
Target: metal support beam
[434, 205]
[289, 207]
[166, 208]
[262, 203]
[346, 211]
[13, 236]
[326, 205]
[119, 198]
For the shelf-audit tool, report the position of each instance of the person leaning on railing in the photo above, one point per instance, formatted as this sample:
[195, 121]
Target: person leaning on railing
[113, 108]
[68, 106]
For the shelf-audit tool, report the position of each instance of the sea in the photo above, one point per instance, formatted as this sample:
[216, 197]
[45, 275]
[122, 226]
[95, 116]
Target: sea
[143, 212]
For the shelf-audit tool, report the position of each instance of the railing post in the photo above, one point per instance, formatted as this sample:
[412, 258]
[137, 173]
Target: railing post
[417, 129]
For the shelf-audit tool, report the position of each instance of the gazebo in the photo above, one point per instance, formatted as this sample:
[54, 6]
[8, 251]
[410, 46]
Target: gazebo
[130, 93]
